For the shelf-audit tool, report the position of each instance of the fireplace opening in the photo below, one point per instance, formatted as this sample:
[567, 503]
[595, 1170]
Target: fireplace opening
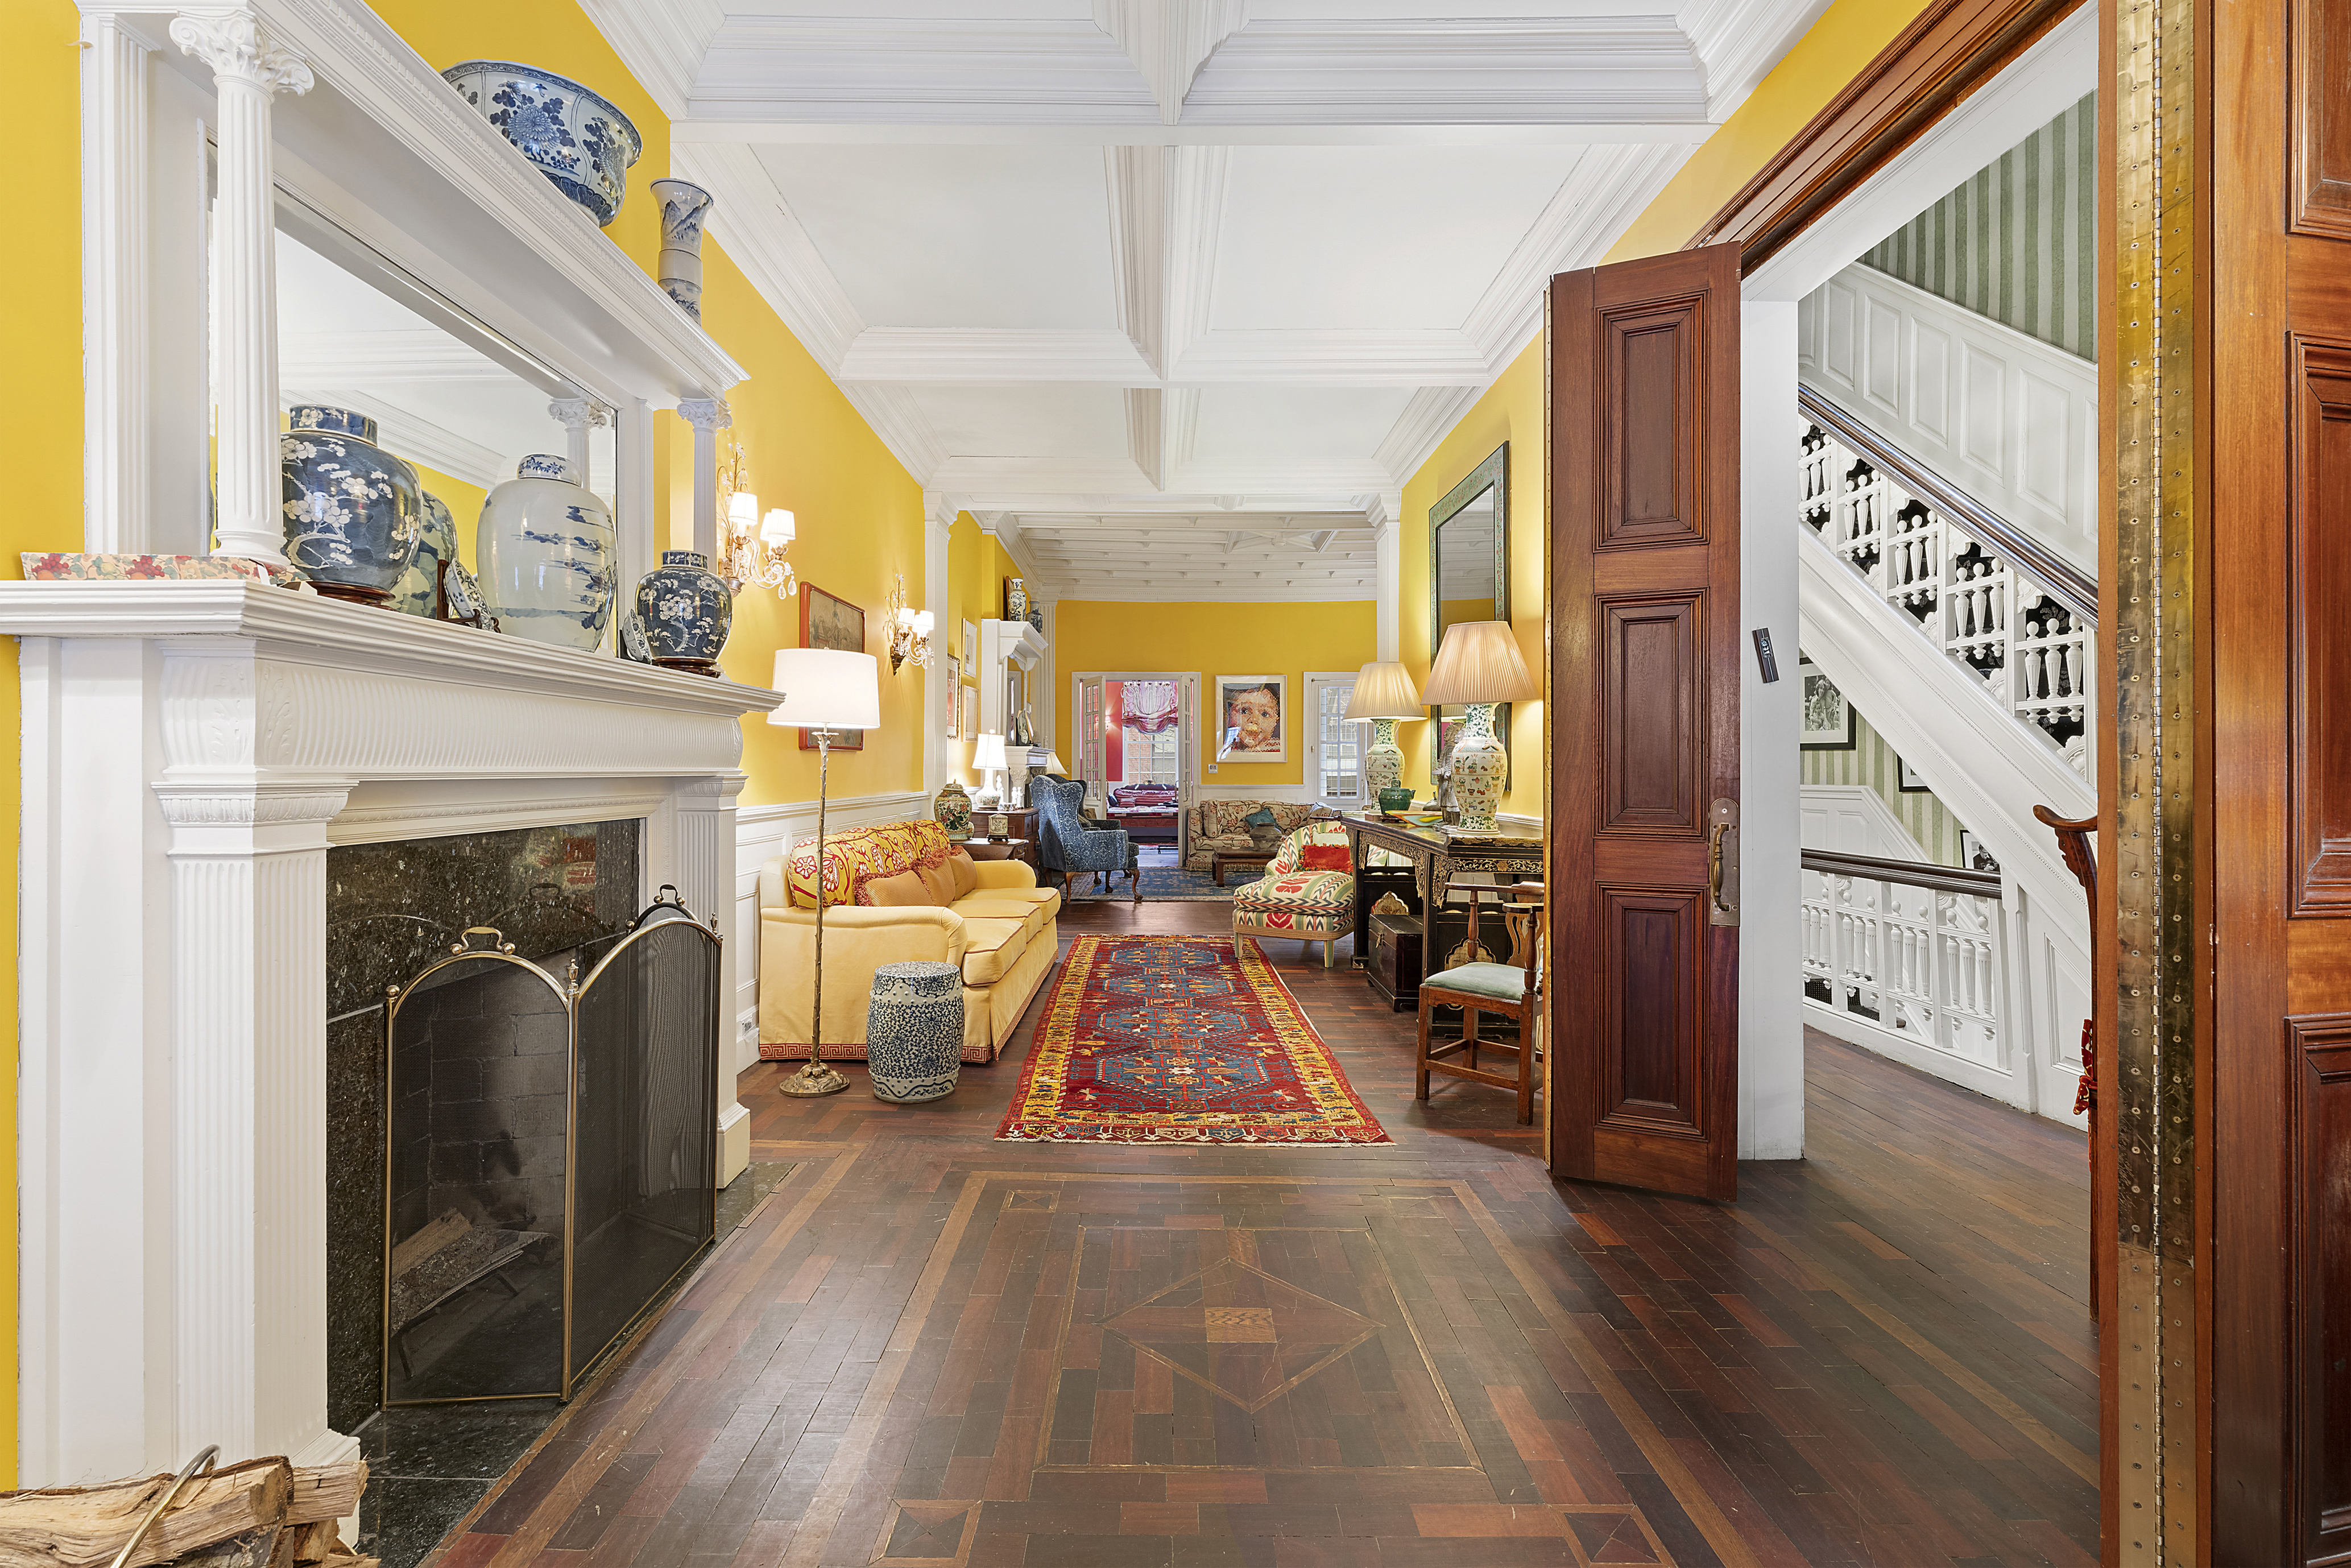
[551, 1154]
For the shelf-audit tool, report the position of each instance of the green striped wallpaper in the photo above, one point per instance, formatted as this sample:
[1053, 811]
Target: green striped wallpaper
[1872, 762]
[2014, 241]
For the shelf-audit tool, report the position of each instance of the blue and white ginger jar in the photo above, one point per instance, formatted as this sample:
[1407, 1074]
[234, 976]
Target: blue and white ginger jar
[687, 611]
[546, 551]
[353, 512]
[571, 134]
[913, 1031]
[419, 589]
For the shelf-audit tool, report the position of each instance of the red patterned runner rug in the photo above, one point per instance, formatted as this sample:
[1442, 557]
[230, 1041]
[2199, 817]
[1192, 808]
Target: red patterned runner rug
[1180, 1040]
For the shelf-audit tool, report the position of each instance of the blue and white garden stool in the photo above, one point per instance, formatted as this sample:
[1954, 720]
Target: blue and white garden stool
[913, 1031]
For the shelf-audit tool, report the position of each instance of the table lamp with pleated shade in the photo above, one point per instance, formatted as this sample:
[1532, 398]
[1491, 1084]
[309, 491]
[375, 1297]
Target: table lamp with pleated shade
[1383, 695]
[824, 689]
[1479, 664]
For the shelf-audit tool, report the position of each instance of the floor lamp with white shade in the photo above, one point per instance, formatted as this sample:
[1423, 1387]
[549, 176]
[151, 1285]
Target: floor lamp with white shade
[824, 689]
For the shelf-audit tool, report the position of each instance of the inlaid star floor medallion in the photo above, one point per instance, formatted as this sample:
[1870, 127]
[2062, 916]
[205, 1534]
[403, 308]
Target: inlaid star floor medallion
[1241, 1333]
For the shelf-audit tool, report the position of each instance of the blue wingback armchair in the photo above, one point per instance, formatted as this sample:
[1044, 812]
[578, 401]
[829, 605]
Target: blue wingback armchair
[1067, 844]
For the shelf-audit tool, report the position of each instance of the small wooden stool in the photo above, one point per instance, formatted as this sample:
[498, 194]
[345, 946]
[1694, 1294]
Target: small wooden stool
[1511, 990]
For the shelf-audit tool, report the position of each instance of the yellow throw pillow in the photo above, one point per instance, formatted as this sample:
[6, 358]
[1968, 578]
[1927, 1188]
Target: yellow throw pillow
[939, 881]
[965, 875]
[907, 887]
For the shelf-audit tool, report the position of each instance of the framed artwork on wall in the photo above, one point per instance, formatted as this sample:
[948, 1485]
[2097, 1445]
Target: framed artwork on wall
[1973, 855]
[967, 711]
[826, 622]
[1828, 719]
[970, 649]
[1907, 781]
[1252, 718]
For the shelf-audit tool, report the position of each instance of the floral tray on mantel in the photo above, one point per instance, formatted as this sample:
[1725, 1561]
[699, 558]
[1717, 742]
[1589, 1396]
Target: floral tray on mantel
[64, 566]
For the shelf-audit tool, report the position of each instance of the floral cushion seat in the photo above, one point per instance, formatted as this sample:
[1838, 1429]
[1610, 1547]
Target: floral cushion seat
[1305, 904]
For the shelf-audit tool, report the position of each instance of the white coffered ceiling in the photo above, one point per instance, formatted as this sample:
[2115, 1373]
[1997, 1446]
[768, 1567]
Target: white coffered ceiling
[1173, 295]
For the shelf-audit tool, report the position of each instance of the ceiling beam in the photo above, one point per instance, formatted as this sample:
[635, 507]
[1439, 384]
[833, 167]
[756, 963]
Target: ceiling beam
[729, 126]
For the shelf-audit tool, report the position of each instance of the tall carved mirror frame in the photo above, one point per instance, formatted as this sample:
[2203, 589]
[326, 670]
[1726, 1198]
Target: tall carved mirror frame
[1468, 549]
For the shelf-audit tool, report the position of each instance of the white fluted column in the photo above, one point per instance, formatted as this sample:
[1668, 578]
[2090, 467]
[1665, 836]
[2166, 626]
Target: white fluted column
[708, 415]
[114, 286]
[248, 70]
[1388, 556]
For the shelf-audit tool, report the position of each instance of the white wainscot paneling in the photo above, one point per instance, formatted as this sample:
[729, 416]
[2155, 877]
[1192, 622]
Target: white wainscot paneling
[2008, 419]
[763, 832]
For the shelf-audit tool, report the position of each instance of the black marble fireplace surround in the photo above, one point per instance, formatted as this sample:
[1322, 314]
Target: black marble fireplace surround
[391, 909]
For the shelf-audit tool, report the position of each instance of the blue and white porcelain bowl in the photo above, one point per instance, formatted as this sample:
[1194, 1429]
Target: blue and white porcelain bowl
[419, 589]
[687, 611]
[913, 1031]
[572, 133]
[353, 512]
[545, 548]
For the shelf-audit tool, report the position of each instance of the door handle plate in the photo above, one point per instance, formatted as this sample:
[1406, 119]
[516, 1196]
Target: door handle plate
[1722, 863]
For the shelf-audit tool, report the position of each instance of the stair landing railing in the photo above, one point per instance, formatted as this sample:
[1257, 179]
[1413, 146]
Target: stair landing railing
[2017, 616]
[1915, 948]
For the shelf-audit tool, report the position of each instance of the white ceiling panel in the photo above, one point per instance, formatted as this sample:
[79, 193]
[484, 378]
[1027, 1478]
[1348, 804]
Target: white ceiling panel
[1258, 423]
[1373, 237]
[957, 236]
[1176, 295]
[1025, 421]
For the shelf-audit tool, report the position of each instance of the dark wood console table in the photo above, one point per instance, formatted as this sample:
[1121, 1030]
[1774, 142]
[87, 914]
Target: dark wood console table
[1516, 854]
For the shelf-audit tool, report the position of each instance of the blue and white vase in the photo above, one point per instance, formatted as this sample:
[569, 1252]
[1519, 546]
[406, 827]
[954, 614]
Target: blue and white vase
[574, 136]
[545, 548]
[913, 1031]
[684, 207]
[354, 512]
[418, 592]
[687, 611]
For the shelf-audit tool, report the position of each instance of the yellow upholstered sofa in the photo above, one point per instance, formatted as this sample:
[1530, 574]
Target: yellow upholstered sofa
[988, 916]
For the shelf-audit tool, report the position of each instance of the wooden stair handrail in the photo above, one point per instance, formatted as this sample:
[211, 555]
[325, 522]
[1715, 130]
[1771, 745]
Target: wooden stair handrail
[1912, 873]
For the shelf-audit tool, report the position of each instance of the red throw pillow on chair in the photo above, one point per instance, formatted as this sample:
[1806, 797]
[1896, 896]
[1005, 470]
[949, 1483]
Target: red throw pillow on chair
[1324, 857]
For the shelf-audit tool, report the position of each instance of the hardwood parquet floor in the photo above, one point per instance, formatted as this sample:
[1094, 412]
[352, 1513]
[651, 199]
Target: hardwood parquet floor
[932, 1350]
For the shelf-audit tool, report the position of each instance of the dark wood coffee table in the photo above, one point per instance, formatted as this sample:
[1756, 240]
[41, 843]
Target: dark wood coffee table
[1223, 858]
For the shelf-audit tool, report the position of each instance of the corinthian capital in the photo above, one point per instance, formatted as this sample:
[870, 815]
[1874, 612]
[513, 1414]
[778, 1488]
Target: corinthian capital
[233, 44]
[706, 412]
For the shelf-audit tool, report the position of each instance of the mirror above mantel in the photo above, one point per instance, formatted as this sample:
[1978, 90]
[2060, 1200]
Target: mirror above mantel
[1468, 579]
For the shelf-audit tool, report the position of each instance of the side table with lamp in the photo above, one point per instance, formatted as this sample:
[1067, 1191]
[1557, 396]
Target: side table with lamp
[824, 689]
[1383, 697]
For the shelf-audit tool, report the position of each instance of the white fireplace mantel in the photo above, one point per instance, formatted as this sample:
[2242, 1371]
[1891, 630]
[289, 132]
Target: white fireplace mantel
[191, 751]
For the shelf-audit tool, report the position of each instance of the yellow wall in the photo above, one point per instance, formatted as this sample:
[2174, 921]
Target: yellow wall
[1511, 411]
[804, 447]
[1286, 639]
[976, 567]
[1848, 35]
[463, 501]
[41, 452]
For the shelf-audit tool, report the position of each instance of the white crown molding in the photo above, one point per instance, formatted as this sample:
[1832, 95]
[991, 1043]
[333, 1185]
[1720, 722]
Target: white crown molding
[1334, 356]
[914, 354]
[412, 436]
[357, 53]
[1551, 71]
[370, 358]
[1740, 41]
[1182, 407]
[738, 125]
[1431, 413]
[661, 41]
[924, 70]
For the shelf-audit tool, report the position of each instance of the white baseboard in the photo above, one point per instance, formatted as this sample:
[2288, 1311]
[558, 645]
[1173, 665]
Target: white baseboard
[1898, 1045]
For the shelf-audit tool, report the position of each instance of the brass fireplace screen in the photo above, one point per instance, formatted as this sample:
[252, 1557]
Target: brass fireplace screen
[551, 1154]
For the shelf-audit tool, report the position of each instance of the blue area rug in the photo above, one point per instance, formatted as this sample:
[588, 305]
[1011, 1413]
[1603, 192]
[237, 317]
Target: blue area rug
[1167, 883]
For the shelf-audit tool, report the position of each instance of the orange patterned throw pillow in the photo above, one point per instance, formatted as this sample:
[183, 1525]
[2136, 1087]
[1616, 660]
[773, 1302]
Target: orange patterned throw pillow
[1325, 857]
[854, 858]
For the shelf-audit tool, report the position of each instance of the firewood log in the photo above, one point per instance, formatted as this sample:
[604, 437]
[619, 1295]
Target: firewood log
[84, 1527]
[326, 1491]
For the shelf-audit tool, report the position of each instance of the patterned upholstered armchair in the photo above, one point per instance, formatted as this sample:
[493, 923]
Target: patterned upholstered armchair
[1067, 844]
